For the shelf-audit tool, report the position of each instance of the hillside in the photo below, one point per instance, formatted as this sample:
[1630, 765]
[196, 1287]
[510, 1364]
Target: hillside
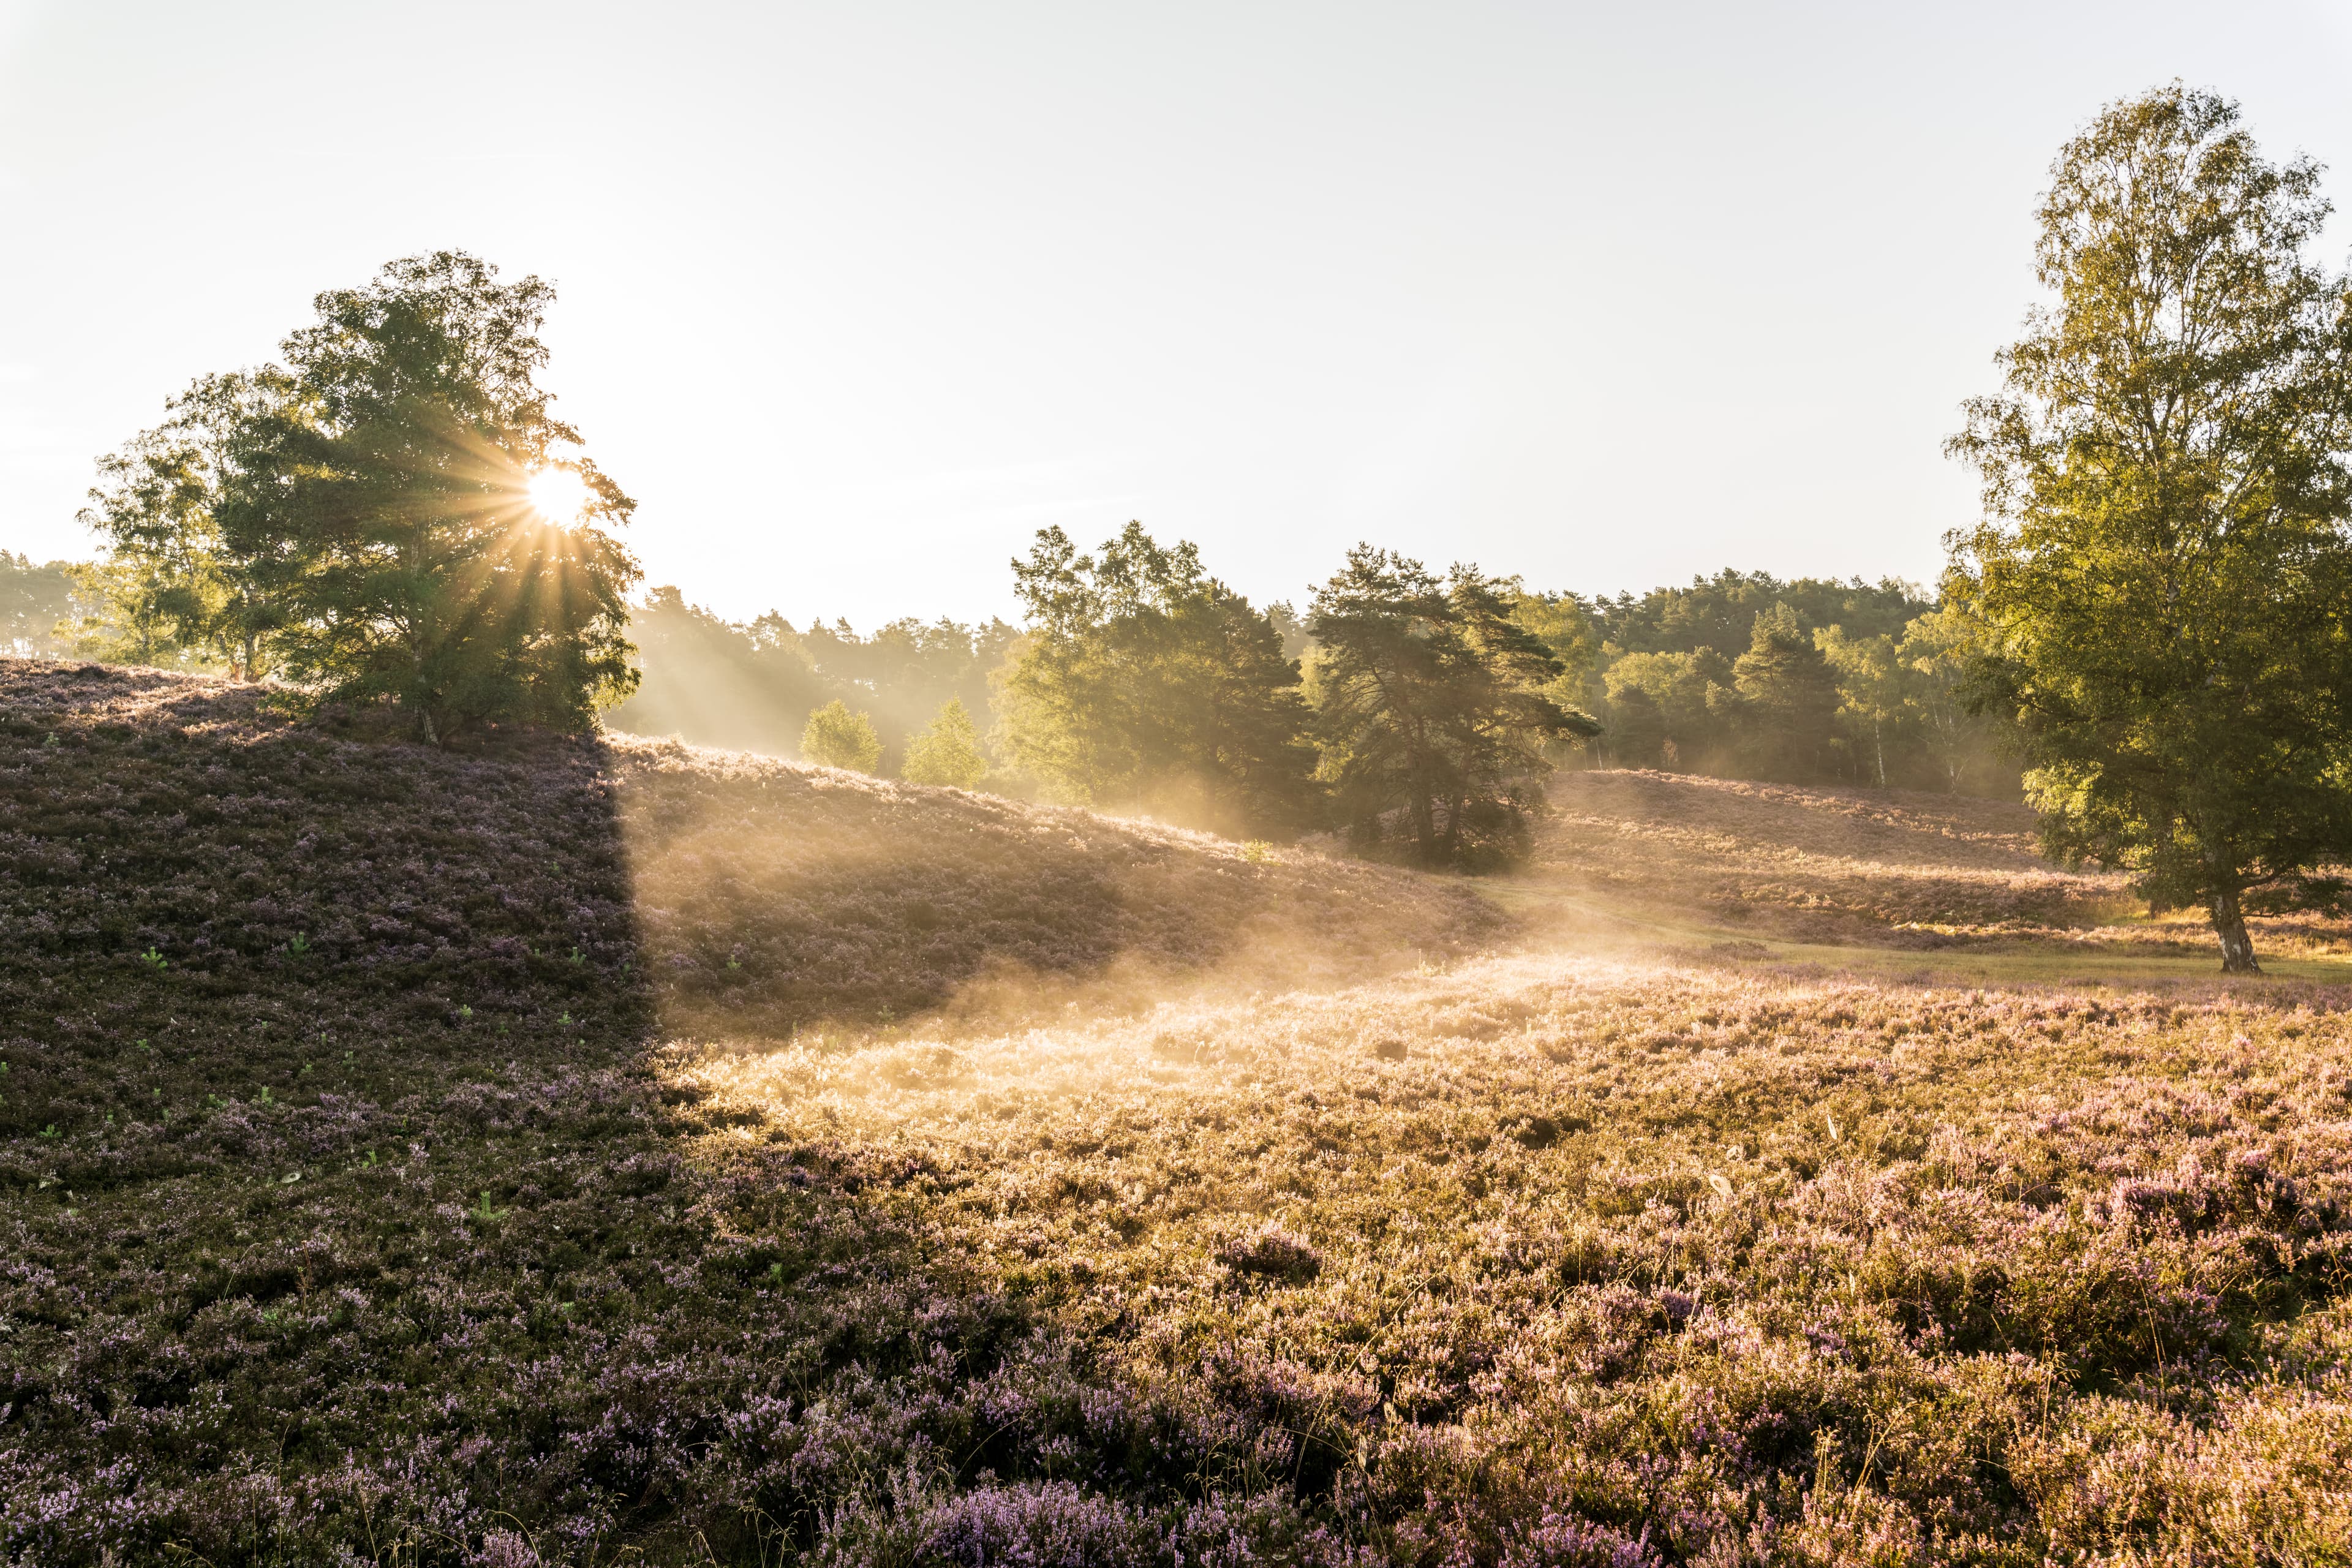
[345, 1203]
[605, 1151]
[772, 896]
[1840, 864]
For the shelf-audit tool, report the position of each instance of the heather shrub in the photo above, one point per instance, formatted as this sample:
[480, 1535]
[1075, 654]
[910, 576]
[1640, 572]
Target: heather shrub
[473, 1229]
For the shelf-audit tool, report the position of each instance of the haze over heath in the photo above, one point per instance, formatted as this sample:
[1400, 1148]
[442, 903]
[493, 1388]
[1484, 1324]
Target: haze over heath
[855, 298]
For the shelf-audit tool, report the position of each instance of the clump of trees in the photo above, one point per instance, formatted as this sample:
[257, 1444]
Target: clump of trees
[834, 737]
[1433, 703]
[40, 603]
[1143, 682]
[2162, 590]
[948, 750]
[1419, 714]
[1745, 675]
[359, 520]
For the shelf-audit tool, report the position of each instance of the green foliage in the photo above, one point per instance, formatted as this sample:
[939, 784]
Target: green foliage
[1565, 625]
[1661, 670]
[1145, 682]
[170, 590]
[1431, 705]
[1676, 711]
[751, 686]
[836, 738]
[35, 600]
[1666, 676]
[1871, 689]
[376, 496]
[1789, 695]
[1719, 612]
[947, 751]
[2162, 584]
[1936, 653]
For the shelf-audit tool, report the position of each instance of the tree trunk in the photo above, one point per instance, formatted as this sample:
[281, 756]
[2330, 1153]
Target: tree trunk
[1424, 825]
[1878, 743]
[2230, 925]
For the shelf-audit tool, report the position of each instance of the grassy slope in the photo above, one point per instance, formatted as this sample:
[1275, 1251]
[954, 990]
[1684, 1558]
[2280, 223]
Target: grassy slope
[775, 898]
[1041, 1219]
[1878, 878]
[1820, 863]
[344, 1210]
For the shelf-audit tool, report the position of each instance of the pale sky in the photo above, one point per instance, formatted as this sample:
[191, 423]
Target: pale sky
[857, 296]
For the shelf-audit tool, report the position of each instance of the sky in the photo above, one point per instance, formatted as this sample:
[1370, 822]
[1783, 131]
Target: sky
[854, 298]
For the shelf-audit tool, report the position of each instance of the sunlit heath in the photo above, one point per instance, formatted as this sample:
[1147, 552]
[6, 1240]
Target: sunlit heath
[959, 865]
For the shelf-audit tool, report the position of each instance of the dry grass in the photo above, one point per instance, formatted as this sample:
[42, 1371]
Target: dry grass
[1814, 863]
[600, 1152]
[773, 896]
[1871, 869]
[1707, 1264]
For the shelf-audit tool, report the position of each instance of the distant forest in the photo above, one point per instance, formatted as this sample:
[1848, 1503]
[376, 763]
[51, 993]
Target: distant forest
[752, 685]
[1741, 675]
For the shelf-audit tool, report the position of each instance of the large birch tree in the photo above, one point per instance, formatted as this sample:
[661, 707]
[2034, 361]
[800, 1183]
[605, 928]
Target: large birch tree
[2161, 585]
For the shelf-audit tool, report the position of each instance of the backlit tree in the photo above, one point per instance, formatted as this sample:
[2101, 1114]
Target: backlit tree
[2161, 585]
[1432, 702]
[420, 525]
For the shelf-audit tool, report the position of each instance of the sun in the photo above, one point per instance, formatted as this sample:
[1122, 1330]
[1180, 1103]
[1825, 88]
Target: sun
[559, 495]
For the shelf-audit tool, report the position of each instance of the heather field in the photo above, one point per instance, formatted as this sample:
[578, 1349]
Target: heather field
[609, 1153]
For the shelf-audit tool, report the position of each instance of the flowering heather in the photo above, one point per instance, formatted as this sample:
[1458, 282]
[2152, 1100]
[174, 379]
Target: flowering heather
[772, 896]
[380, 1188]
[1816, 863]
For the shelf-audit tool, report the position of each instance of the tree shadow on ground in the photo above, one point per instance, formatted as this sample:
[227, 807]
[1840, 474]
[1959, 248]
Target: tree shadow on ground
[352, 1220]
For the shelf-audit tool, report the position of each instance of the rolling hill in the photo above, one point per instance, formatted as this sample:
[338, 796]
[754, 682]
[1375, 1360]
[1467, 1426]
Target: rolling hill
[348, 1209]
[604, 1151]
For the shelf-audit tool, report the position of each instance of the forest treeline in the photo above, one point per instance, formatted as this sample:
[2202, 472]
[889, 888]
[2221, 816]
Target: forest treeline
[1741, 675]
[392, 525]
[1137, 681]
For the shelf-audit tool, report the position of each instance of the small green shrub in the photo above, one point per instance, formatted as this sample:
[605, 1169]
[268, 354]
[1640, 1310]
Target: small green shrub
[836, 738]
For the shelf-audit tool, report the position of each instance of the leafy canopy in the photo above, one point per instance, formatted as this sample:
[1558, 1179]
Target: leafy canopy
[836, 738]
[170, 589]
[1790, 695]
[947, 751]
[1145, 682]
[2162, 583]
[376, 499]
[39, 604]
[1432, 702]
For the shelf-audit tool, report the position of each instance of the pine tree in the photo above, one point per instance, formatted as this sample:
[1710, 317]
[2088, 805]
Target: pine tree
[1432, 702]
[1791, 696]
[1142, 681]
